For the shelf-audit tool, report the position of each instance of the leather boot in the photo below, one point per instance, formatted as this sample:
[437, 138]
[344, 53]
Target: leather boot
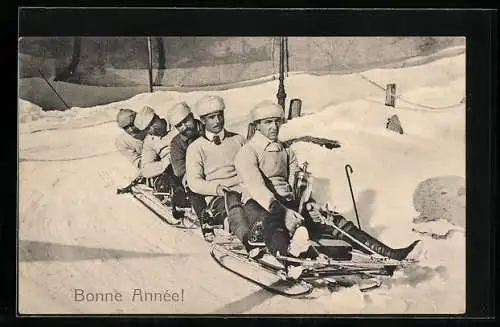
[369, 241]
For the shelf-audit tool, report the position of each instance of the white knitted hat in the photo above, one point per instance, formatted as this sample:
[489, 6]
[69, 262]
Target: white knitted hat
[144, 117]
[266, 109]
[125, 117]
[209, 104]
[178, 113]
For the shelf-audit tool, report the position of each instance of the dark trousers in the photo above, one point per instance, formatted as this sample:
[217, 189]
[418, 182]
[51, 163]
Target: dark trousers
[197, 202]
[168, 182]
[276, 235]
[233, 210]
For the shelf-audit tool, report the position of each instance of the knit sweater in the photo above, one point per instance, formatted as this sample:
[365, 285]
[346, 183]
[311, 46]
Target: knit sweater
[262, 159]
[208, 164]
[156, 154]
[178, 149]
[130, 148]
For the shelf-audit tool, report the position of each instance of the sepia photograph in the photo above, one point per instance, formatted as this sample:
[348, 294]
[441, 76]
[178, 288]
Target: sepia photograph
[241, 175]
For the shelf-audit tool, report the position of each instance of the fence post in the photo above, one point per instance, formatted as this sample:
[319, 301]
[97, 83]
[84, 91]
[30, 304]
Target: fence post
[390, 95]
[295, 109]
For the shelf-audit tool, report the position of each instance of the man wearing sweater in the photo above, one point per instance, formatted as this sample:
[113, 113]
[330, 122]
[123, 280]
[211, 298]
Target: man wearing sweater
[130, 142]
[189, 128]
[155, 161]
[267, 168]
[210, 169]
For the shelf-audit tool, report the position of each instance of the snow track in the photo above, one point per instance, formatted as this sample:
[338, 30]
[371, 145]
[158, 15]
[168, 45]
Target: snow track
[76, 233]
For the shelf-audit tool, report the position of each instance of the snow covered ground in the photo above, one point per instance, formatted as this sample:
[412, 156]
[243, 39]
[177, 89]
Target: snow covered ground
[76, 233]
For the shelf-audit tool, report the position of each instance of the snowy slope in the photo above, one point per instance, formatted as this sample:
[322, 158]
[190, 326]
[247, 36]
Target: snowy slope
[75, 232]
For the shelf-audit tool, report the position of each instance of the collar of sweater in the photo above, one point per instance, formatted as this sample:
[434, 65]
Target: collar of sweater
[210, 136]
[262, 143]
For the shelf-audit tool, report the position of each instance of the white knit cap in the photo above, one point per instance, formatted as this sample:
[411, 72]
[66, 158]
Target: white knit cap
[266, 109]
[209, 104]
[178, 113]
[144, 117]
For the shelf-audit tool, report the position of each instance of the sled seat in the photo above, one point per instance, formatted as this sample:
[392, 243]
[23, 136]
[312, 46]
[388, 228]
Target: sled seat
[333, 248]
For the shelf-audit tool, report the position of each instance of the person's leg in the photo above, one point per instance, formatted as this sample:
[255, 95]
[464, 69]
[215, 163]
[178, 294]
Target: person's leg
[179, 199]
[354, 236]
[237, 218]
[197, 202]
[276, 236]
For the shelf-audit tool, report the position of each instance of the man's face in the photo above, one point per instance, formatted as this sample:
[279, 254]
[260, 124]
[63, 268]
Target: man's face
[159, 127]
[135, 132]
[214, 122]
[187, 127]
[269, 127]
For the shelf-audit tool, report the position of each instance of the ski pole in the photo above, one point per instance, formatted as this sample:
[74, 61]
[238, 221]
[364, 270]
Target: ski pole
[352, 194]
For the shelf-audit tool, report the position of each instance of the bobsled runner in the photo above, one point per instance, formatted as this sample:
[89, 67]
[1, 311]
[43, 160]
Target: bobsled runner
[159, 203]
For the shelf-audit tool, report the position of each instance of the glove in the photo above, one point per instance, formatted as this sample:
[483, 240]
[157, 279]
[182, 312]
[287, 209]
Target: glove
[314, 211]
[221, 189]
[293, 220]
[165, 162]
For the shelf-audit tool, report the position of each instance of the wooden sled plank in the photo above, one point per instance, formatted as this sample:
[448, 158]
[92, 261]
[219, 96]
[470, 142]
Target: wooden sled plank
[144, 195]
[257, 274]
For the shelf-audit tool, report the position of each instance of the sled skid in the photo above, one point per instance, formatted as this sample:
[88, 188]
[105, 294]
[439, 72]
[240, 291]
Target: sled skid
[267, 278]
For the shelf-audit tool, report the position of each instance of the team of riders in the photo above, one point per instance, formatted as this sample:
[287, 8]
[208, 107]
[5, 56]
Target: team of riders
[226, 179]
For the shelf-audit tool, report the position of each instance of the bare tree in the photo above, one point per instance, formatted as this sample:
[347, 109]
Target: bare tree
[75, 60]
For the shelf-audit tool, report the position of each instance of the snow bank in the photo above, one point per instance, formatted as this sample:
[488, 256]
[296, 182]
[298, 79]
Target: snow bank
[28, 111]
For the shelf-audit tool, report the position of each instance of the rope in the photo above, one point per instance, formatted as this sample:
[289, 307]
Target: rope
[428, 107]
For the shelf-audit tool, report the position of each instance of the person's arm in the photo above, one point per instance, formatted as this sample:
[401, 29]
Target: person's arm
[150, 167]
[128, 151]
[247, 167]
[195, 173]
[178, 157]
[293, 166]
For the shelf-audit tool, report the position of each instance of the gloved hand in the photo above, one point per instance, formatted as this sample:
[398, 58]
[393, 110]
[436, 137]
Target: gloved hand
[165, 162]
[314, 210]
[221, 189]
[293, 220]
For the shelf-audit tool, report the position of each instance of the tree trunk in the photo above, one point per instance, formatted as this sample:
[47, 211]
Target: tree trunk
[75, 60]
[161, 61]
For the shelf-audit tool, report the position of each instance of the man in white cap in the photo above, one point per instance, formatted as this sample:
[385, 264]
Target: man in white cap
[155, 161]
[189, 128]
[129, 143]
[267, 168]
[210, 170]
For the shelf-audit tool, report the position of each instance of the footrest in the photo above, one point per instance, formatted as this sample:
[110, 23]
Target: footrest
[335, 249]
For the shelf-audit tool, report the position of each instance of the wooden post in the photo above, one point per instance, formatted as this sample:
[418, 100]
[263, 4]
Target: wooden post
[390, 95]
[150, 65]
[295, 109]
